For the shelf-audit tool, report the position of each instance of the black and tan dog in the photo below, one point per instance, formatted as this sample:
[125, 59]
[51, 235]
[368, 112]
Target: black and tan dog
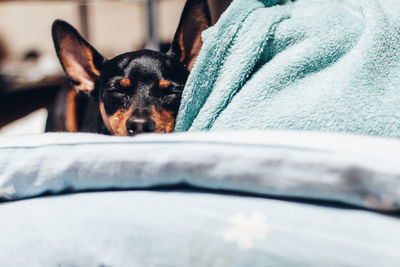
[132, 93]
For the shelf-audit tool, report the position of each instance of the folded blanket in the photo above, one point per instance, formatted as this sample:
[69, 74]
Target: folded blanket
[352, 169]
[308, 65]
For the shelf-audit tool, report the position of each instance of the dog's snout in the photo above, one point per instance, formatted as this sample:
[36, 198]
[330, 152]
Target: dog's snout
[140, 125]
[138, 112]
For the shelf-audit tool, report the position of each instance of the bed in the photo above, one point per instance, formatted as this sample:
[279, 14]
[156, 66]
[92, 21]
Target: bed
[244, 198]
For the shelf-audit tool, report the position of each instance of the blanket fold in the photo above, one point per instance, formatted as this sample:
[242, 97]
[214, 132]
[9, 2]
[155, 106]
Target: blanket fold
[357, 170]
[308, 65]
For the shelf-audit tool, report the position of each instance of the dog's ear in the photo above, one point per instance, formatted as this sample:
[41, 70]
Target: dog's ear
[81, 62]
[187, 42]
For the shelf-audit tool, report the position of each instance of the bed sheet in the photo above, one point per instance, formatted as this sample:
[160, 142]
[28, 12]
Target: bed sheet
[187, 228]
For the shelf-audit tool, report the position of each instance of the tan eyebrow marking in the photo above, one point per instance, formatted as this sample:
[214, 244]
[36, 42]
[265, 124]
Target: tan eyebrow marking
[164, 84]
[125, 82]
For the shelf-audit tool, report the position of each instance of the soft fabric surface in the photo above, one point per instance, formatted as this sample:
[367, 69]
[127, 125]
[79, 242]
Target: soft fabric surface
[308, 65]
[191, 229]
[357, 170]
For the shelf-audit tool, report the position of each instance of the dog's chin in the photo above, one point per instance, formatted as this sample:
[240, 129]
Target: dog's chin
[125, 132]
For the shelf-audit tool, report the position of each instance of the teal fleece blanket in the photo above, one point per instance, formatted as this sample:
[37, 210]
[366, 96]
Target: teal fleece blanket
[308, 65]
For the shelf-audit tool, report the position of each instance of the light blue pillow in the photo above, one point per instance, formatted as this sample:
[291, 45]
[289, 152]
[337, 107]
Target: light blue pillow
[356, 170]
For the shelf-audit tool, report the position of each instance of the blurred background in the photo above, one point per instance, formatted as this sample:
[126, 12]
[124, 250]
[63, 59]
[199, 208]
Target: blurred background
[30, 74]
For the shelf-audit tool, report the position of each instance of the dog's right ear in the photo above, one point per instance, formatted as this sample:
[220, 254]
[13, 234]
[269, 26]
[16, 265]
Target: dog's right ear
[80, 61]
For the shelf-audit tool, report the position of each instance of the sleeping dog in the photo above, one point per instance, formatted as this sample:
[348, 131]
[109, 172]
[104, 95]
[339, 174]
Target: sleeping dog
[135, 92]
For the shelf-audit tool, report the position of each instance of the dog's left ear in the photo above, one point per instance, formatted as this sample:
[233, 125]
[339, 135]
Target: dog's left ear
[187, 41]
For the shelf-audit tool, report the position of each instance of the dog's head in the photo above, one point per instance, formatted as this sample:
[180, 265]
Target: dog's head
[137, 91]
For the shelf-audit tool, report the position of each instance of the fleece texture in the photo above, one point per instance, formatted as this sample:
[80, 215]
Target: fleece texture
[308, 65]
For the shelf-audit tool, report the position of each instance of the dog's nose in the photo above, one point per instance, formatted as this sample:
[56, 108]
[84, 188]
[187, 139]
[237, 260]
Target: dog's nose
[140, 125]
